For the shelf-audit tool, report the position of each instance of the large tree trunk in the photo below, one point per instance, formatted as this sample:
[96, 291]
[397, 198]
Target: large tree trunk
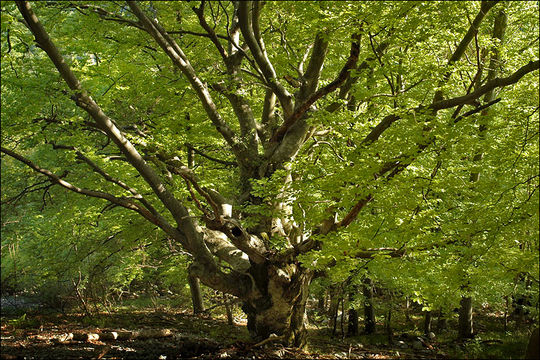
[277, 304]
[465, 318]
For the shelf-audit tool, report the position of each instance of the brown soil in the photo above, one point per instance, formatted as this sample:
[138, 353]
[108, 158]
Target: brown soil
[44, 337]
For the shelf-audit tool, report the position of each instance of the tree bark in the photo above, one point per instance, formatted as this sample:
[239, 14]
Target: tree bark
[506, 303]
[441, 321]
[352, 326]
[465, 323]
[533, 348]
[320, 303]
[407, 310]
[277, 305]
[333, 307]
[228, 309]
[427, 322]
[369, 311]
[388, 326]
[196, 295]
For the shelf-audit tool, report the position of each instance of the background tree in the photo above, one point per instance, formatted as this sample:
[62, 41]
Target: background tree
[307, 152]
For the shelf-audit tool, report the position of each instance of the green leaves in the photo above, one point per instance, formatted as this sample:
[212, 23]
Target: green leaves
[451, 230]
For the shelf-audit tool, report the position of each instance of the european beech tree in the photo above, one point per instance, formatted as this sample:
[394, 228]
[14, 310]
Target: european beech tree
[279, 141]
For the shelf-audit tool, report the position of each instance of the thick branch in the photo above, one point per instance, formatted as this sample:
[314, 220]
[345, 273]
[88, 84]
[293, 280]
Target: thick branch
[220, 246]
[465, 41]
[313, 71]
[234, 283]
[490, 85]
[249, 244]
[473, 29]
[242, 110]
[380, 128]
[346, 87]
[460, 100]
[268, 117]
[341, 78]
[354, 211]
[212, 34]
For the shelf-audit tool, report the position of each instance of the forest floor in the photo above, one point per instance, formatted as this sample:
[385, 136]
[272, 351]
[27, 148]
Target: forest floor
[165, 333]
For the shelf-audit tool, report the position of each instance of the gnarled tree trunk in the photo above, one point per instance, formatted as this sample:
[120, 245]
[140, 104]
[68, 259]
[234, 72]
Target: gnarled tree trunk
[277, 305]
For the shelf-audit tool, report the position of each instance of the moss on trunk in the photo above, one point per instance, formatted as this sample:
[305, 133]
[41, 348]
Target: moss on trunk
[280, 307]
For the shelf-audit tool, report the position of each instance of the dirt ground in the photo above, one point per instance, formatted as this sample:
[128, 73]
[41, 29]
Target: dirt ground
[180, 335]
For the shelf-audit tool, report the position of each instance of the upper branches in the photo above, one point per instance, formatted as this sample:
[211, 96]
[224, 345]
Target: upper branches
[248, 19]
[489, 86]
[178, 57]
[343, 75]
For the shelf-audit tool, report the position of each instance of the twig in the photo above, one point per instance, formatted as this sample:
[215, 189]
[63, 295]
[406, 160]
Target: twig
[271, 338]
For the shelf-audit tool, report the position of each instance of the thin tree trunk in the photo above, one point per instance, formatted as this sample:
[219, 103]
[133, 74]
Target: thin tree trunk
[465, 324]
[191, 158]
[327, 298]
[228, 309]
[533, 348]
[333, 308]
[407, 310]
[427, 322]
[342, 316]
[465, 312]
[369, 311]
[506, 314]
[196, 296]
[352, 325]
[441, 321]
[389, 332]
[320, 303]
